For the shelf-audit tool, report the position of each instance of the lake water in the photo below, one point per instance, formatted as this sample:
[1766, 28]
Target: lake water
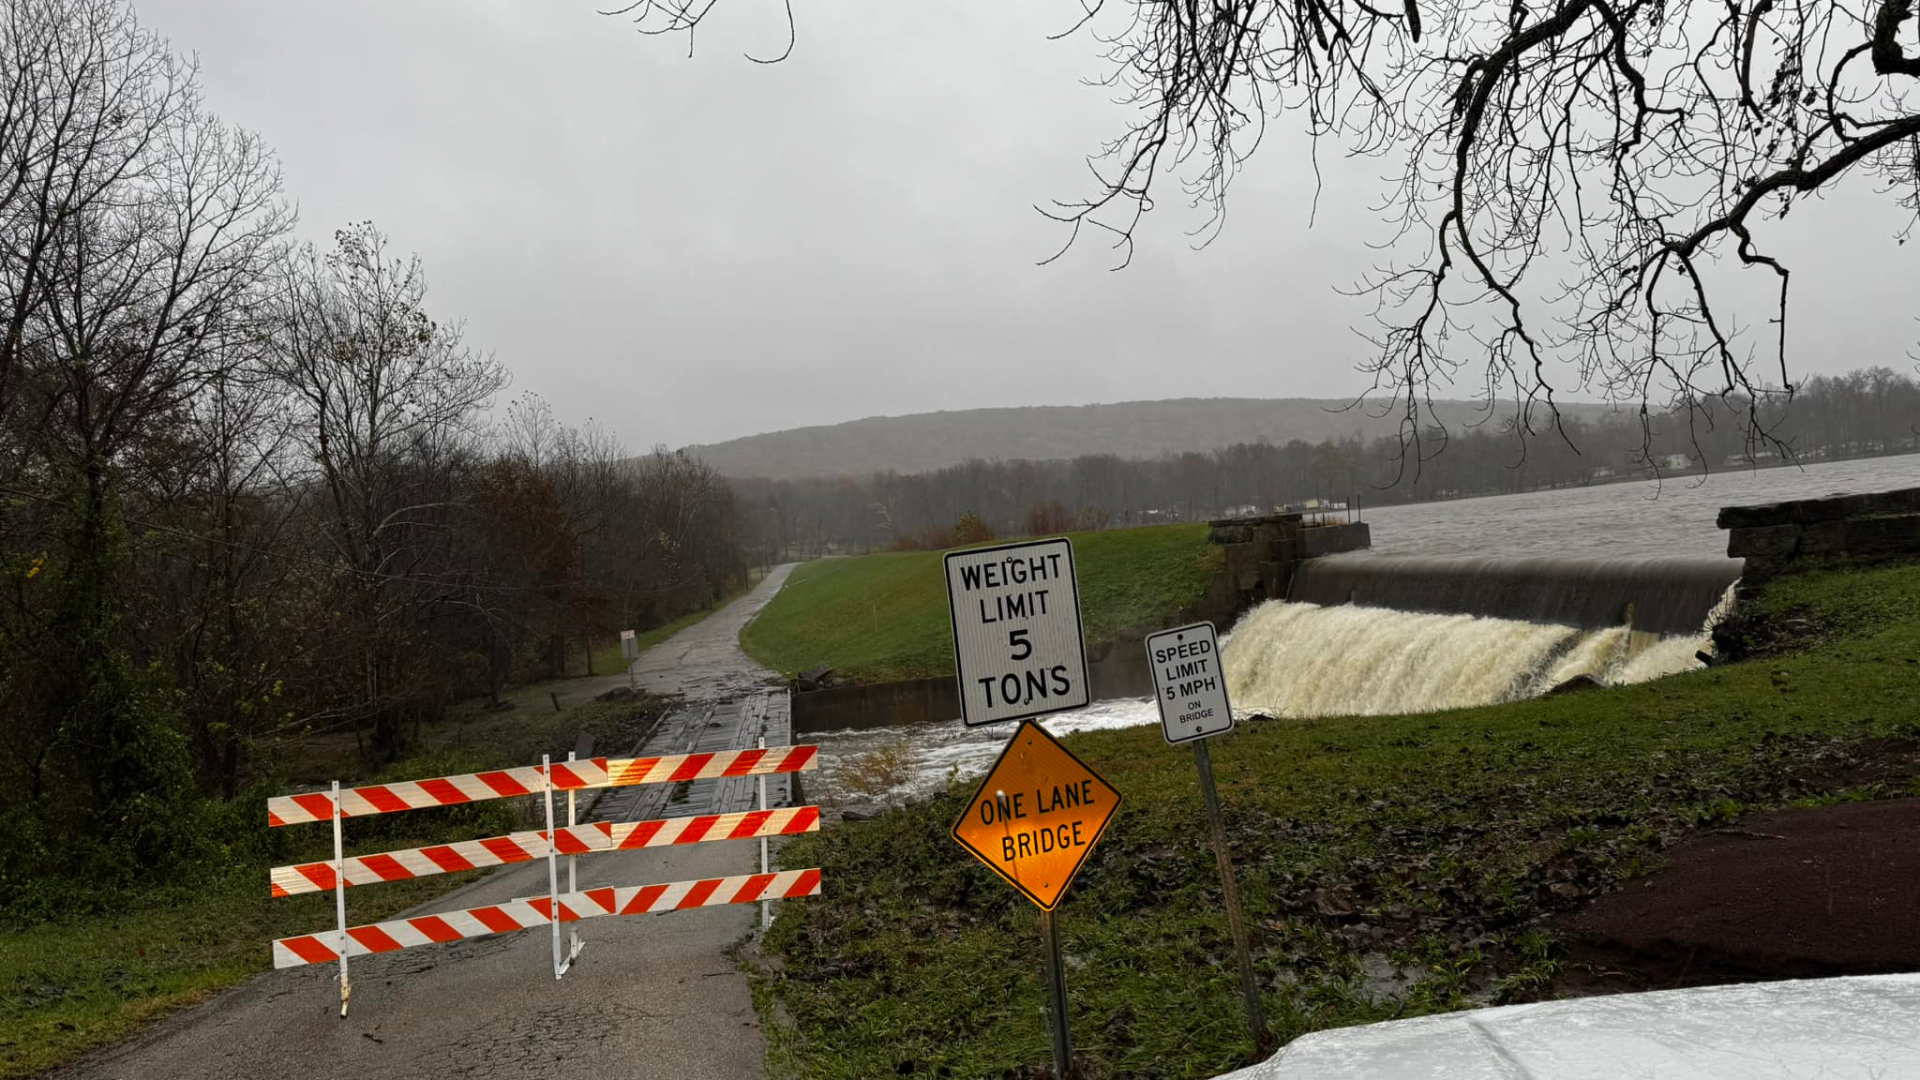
[1624, 520]
[1630, 520]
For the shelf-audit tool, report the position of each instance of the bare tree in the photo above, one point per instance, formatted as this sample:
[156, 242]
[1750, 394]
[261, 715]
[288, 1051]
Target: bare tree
[1573, 175]
[386, 401]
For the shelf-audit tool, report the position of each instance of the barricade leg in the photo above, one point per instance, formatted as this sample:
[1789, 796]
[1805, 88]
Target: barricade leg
[553, 871]
[573, 882]
[766, 906]
[340, 897]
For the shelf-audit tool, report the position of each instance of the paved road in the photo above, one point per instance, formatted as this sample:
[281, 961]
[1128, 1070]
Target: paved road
[650, 997]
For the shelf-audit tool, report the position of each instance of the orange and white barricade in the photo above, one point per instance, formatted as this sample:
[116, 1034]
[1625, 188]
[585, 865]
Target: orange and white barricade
[571, 906]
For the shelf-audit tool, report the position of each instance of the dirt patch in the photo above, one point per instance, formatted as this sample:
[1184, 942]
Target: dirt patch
[1791, 894]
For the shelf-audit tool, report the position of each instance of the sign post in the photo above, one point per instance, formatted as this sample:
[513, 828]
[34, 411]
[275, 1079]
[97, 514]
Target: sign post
[1191, 688]
[630, 650]
[1019, 652]
[1057, 995]
[1034, 820]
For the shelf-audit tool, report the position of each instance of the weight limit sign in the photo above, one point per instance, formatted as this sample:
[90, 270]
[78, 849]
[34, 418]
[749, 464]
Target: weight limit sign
[1017, 644]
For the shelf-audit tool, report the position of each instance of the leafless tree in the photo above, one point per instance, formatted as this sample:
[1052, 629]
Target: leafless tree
[386, 400]
[1576, 178]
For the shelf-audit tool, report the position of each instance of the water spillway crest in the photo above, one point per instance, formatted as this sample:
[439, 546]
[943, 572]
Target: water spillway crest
[1663, 596]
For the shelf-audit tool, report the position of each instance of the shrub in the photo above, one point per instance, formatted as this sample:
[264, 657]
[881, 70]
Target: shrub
[972, 529]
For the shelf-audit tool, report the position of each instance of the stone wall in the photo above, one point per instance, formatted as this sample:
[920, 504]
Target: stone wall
[1261, 553]
[1115, 669]
[1779, 538]
[872, 705]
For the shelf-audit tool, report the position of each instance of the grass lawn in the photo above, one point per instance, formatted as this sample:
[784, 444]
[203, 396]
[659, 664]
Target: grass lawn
[118, 960]
[880, 617]
[1391, 866]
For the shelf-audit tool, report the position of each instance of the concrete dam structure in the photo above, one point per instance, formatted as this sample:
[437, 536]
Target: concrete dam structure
[1660, 596]
[1363, 634]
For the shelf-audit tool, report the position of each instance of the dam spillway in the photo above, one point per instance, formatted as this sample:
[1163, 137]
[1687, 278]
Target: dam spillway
[1659, 596]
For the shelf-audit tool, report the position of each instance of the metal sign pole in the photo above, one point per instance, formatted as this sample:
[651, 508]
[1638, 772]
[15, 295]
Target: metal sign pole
[340, 898]
[553, 869]
[1057, 988]
[1236, 920]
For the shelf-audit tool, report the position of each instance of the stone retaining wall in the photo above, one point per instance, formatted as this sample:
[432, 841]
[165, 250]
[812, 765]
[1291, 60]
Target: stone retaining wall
[1261, 553]
[1115, 669]
[1780, 538]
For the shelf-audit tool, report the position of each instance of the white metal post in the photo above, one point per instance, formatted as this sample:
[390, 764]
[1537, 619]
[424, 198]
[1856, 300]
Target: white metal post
[553, 869]
[340, 897]
[766, 906]
[573, 882]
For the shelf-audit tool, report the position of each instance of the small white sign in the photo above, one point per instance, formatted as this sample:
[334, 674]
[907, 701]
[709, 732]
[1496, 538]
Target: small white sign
[1189, 682]
[626, 635]
[1017, 644]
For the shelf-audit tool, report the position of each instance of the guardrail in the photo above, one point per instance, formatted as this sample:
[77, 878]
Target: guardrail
[571, 777]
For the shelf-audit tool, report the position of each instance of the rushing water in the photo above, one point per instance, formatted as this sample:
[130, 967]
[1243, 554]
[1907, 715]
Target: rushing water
[1308, 660]
[1367, 661]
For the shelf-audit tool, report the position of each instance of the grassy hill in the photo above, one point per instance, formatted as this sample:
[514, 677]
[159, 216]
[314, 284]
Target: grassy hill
[923, 442]
[1429, 846]
[881, 617]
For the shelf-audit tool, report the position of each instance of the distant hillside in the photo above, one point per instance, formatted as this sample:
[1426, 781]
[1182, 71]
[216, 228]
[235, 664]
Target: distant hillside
[1131, 429]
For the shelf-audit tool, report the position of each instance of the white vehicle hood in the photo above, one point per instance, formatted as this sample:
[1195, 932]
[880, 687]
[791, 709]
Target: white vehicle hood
[1812, 1029]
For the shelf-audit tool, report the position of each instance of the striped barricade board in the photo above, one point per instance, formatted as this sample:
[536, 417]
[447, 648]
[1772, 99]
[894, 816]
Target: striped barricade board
[539, 912]
[532, 780]
[528, 846]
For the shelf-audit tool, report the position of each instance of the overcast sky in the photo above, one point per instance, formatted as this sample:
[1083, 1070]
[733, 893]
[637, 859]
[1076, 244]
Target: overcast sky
[690, 250]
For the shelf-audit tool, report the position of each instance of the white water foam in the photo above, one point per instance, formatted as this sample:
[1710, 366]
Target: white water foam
[940, 751]
[1304, 660]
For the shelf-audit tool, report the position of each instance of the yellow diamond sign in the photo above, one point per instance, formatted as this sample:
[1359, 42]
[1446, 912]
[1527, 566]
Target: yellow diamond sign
[1037, 815]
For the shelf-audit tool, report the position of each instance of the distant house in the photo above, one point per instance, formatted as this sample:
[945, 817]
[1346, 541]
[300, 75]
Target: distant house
[1678, 461]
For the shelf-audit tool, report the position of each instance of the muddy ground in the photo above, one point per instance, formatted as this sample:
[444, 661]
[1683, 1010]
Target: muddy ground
[1800, 893]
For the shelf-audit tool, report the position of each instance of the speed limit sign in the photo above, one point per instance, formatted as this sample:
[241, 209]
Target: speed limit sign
[1017, 642]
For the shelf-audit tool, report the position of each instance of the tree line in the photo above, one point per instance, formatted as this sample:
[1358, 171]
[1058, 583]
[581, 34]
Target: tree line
[1869, 412]
[250, 489]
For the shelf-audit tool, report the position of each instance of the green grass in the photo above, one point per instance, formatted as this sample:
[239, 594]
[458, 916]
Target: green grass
[1434, 843]
[881, 617]
[119, 960]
